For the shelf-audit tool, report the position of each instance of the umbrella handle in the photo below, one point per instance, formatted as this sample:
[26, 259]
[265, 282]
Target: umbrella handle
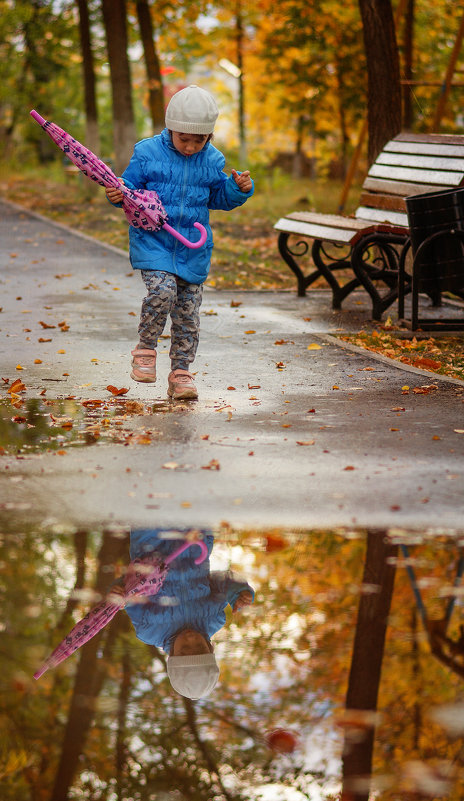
[198, 560]
[185, 241]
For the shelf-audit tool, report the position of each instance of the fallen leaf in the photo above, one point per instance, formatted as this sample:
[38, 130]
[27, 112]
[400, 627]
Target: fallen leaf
[459, 430]
[235, 304]
[280, 365]
[41, 339]
[424, 362]
[37, 361]
[254, 386]
[116, 391]
[250, 332]
[17, 386]
[306, 442]
[335, 387]
[170, 466]
[349, 467]
[18, 367]
[231, 388]
[398, 409]
[61, 351]
[435, 437]
[46, 325]
[394, 429]
[186, 504]
[212, 465]
[311, 411]
[205, 436]
[314, 346]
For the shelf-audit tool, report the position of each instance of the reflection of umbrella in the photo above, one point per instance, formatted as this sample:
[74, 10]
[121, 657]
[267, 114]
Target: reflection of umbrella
[142, 208]
[144, 577]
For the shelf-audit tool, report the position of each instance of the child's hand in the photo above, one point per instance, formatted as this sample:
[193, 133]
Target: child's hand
[243, 180]
[244, 599]
[114, 194]
[117, 595]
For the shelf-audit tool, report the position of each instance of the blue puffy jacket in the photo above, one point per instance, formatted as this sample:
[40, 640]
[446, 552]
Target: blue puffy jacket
[190, 598]
[188, 187]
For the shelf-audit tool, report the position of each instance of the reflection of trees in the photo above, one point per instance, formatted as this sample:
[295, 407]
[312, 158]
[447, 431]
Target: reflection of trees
[91, 673]
[366, 663]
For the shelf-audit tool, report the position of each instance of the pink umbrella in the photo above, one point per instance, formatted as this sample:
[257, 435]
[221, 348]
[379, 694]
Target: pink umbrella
[142, 208]
[144, 577]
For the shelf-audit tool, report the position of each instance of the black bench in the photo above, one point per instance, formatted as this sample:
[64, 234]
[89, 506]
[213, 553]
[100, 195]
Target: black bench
[370, 242]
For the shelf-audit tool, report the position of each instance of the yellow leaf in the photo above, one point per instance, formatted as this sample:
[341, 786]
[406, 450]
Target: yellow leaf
[314, 346]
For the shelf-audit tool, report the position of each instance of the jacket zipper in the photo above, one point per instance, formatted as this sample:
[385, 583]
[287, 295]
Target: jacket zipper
[181, 210]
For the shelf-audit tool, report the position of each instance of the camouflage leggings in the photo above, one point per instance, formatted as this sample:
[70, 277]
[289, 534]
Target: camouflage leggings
[169, 294]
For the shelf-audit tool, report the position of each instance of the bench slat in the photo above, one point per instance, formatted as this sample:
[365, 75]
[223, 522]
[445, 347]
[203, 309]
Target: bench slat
[424, 149]
[422, 162]
[452, 139]
[335, 220]
[383, 215]
[376, 200]
[405, 189]
[416, 176]
[313, 231]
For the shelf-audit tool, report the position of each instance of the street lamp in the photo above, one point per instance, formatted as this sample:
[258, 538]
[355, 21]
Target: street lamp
[236, 72]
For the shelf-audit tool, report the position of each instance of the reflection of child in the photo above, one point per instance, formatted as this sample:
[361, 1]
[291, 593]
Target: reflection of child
[187, 171]
[188, 610]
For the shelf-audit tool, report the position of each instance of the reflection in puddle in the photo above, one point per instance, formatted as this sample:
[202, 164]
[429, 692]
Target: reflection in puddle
[50, 425]
[349, 661]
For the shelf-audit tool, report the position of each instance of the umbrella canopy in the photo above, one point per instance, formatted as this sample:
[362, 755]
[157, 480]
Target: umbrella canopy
[142, 208]
[144, 577]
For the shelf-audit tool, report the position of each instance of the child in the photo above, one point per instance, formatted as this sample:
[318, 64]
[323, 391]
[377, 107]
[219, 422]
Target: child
[186, 612]
[184, 168]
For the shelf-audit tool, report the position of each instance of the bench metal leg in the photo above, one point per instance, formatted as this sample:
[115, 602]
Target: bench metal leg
[299, 249]
[327, 269]
[380, 266]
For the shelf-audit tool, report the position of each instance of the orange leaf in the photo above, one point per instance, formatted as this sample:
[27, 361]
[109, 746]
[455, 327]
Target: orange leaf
[46, 325]
[116, 391]
[17, 386]
[212, 465]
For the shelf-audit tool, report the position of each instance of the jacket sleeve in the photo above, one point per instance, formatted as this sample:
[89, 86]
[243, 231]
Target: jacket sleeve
[225, 194]
[226, 585]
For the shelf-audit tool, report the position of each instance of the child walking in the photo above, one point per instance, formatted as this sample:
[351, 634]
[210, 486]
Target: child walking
[183, 616]
[186, 170]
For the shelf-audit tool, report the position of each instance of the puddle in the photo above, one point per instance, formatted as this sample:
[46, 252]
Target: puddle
[349, 662]
[36, 425]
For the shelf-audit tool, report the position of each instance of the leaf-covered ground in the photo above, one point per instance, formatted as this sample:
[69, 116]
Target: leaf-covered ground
[443, 355]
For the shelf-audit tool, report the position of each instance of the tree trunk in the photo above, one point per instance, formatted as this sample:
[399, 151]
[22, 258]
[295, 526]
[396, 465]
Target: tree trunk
[366, 664]
[152, 64]
[383, 74]
[90, 101]
[90, 675]
[408, 65]
[124, 133]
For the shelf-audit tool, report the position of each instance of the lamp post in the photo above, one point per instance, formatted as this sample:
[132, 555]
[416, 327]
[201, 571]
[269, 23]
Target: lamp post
[236, 72]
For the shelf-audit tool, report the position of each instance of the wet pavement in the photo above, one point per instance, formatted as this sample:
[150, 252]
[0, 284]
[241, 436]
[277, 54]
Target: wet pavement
[291, 428]
[327, 485]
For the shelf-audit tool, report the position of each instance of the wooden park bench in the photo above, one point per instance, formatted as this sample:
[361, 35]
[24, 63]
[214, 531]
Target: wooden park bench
[370, 242]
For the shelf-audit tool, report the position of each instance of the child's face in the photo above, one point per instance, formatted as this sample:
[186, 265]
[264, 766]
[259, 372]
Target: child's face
[189, 643]
[188, 144]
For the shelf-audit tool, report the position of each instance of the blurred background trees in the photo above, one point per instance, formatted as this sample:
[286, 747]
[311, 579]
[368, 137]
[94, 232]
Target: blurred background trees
[294, 80]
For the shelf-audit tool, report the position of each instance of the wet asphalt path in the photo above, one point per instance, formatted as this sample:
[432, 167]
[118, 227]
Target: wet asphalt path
[303, 433]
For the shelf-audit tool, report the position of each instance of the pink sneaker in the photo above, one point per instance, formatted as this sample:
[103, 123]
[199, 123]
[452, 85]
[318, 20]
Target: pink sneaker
[181, 386]
[143, 364]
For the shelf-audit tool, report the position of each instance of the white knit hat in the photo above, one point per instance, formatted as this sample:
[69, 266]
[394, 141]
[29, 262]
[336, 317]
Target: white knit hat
[192, 110]
[193, 676]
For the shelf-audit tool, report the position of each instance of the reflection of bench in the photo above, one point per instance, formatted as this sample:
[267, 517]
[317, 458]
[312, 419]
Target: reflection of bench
[370, 242]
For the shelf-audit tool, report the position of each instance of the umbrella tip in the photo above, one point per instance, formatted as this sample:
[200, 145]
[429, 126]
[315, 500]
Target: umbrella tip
[37, 117]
